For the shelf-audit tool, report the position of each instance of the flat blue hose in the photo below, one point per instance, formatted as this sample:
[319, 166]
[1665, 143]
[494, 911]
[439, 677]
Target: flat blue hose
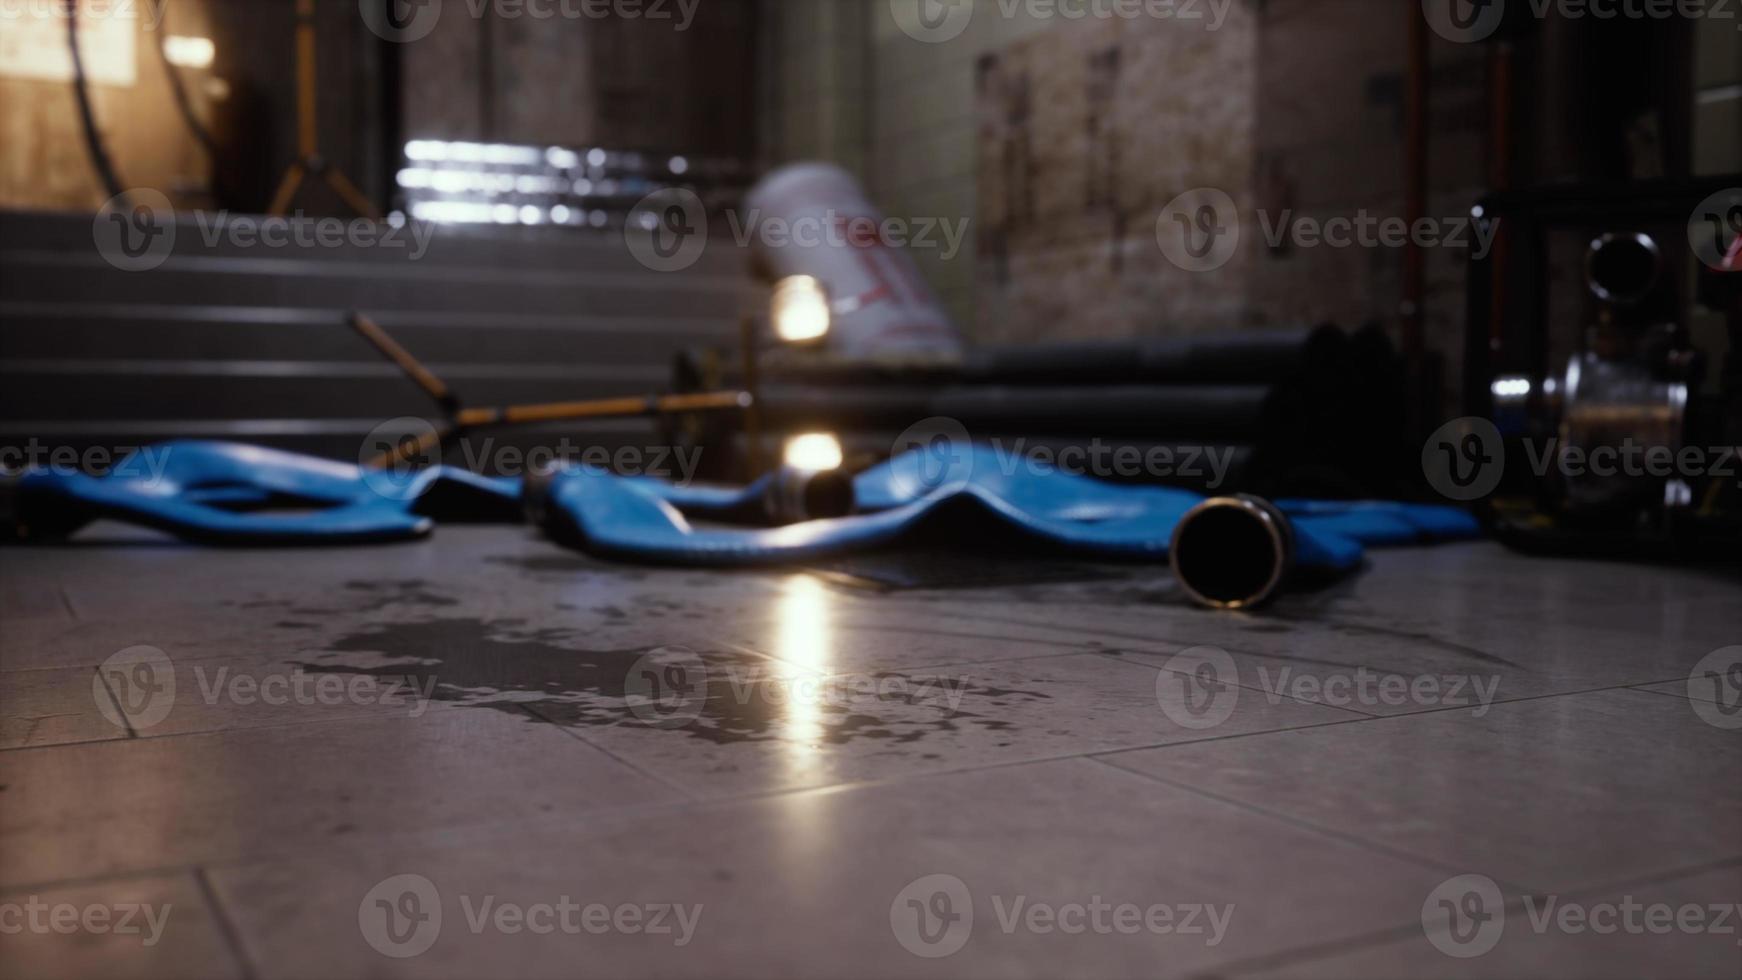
[231, 494]
[913, 495]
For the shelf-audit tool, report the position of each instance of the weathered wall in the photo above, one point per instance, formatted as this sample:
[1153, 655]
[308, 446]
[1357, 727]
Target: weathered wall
[815, 86]
[925, 126]
[43, 163]
[1295, 108]
[1330, 98]
[1086, 133]
[1293, 104]
[661, 85]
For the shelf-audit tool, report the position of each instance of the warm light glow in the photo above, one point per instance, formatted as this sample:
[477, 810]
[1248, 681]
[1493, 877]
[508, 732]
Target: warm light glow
[189, 52]
[800, 309]
[805, 638]
[814, 452]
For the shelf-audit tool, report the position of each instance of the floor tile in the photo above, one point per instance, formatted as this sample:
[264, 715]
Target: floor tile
[147, 928]
[758, 732]
[55, 706]
[106, 808]
[1551, 793]
[816, 884]
[1557, 937]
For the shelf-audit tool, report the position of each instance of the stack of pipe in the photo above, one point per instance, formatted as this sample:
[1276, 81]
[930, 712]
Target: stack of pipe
[1307, 410]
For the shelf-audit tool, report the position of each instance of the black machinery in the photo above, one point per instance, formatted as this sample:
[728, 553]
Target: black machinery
[1619, 446]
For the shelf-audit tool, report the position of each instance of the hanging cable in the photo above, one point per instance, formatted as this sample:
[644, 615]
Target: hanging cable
[81, 89]
[185, 107]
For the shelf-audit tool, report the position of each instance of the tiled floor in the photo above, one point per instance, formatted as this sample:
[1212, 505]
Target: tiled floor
[484, 756]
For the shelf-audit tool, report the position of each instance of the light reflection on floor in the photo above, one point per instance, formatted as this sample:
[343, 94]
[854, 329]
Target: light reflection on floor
[804, 636]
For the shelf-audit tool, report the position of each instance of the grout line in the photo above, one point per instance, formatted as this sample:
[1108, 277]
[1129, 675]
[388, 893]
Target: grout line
[382, 838]
[66, 600]
[1383, 937]
[226, 927]
[1312, 952]
[113, 700]
[864, 784]
[1462, 650]
[1520, 700]
[1160, 668]
[1678, 695]
[1363, 719]
[373, 714]
[577, 736]
[1299, 824]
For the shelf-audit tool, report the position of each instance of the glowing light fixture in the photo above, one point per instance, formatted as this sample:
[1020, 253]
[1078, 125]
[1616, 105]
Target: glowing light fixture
[189, 52]
[814, 452]
[800, 310]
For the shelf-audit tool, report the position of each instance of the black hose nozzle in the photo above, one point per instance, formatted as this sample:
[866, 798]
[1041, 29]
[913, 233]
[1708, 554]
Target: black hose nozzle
[1232, 552]
[794, 496]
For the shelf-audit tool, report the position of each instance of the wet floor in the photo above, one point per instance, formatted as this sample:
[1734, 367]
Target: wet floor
[481, 755]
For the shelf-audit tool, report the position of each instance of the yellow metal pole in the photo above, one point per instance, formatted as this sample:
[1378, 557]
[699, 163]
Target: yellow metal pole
[308, 142]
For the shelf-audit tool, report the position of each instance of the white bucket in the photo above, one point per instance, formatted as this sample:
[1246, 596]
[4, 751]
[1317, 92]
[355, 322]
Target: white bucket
[812, 219]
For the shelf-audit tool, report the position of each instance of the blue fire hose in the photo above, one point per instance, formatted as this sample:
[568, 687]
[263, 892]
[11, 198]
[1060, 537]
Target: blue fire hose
[223, 493]
[1230, 552]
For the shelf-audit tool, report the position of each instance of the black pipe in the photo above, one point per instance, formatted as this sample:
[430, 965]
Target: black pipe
[1241, 357]
[1248, 357]
[794, 496]
[1221, 413]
